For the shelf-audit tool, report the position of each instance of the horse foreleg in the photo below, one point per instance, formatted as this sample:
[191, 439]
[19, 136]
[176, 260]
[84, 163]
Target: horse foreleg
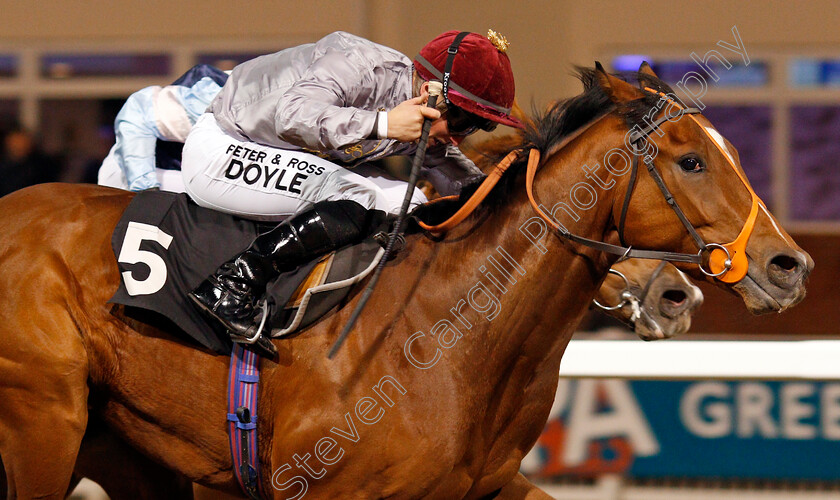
[39, 448]
[43, 401]
[521, 489]
[125, 473]
[74, 481]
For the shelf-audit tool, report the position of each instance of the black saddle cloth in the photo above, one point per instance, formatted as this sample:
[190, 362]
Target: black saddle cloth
[166, 245]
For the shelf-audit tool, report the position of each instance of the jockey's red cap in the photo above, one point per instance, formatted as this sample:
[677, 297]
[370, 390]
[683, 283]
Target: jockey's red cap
[481, 79]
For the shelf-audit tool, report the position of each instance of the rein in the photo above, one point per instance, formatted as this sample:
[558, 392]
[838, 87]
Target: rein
[727, 262]
[730, 259]
[656, 273]
[493, 179]
[477, 197]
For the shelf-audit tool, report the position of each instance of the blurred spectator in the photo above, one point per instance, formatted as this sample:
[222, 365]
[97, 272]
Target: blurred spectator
[22, 163]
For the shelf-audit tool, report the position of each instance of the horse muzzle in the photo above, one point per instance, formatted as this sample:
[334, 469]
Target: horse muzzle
[667, 310]
[775, 283]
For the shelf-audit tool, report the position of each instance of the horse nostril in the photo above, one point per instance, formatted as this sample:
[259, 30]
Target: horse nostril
[785, 262]
[675, 297]
[785, 270]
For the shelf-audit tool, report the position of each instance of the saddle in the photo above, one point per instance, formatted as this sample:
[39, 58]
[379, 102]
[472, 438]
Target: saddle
[166, 245]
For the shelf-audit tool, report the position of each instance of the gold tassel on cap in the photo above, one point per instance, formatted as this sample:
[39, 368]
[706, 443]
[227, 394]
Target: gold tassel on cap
[498, 40]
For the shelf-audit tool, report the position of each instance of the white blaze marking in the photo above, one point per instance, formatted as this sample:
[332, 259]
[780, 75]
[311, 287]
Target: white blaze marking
[772, 221]
[714, 134]
[719, 140]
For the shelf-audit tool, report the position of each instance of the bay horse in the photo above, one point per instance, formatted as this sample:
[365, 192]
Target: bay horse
[446, 382]
[665, 298]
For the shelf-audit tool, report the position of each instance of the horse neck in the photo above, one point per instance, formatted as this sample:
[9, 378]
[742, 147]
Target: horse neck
[538, 312]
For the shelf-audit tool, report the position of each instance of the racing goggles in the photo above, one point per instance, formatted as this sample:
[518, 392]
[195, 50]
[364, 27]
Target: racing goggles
[464, 123]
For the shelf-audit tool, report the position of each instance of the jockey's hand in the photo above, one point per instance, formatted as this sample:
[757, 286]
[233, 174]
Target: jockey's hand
[405, 122]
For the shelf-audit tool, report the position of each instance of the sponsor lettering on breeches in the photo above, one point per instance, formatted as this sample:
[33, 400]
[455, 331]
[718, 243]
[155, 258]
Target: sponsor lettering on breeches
[254, 167]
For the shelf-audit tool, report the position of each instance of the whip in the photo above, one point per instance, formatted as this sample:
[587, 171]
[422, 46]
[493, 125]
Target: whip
[435, 89]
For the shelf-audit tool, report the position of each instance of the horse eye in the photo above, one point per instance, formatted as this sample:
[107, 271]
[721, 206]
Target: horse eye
[691, 164]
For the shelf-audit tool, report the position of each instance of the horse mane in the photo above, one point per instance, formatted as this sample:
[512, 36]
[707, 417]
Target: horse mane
[545, 129]
[565, 117]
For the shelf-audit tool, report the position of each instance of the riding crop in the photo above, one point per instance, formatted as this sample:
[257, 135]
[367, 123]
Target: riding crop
[435, 89]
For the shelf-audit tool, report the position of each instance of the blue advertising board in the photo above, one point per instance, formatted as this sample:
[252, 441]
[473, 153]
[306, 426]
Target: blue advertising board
[691, 429]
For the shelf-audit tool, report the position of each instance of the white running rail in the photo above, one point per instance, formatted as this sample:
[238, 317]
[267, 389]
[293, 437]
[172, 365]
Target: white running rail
[703, 359]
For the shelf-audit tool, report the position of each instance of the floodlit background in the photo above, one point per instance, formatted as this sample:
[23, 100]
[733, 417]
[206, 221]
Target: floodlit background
[67, 66]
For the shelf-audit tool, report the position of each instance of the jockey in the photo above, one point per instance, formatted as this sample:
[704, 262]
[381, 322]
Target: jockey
[279, 140]
[150, 116]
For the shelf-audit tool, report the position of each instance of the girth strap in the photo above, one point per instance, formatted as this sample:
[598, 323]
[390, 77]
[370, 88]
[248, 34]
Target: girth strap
[243, 386]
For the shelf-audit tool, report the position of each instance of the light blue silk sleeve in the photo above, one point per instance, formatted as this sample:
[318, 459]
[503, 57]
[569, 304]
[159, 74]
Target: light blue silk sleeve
[136, 135]
[137, 129]
[198, 97]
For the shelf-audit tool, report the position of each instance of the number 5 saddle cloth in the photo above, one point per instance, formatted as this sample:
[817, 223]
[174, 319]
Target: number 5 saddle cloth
[166, 245]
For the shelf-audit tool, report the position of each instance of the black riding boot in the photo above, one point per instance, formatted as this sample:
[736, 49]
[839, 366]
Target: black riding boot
[231, 294]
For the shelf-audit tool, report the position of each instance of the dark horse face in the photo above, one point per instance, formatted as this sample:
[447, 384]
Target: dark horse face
[666, 299]
[703, 172]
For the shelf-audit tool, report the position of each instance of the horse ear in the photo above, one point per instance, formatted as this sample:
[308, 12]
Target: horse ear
[617, 89]
[645, 69]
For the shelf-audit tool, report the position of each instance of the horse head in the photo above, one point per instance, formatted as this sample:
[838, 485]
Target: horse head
[694, 202]
[655, 298]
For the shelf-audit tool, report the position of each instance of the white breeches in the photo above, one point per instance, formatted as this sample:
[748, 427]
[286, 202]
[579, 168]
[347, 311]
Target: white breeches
[266, 183]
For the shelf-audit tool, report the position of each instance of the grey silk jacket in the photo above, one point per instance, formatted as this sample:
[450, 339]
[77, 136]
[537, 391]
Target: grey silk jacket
[323, 98]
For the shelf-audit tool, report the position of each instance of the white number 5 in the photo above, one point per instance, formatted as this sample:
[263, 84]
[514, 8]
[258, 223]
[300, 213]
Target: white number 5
[130, 253]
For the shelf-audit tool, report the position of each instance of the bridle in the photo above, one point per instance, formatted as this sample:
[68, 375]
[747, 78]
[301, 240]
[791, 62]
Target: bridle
[727, 262]
[628, 298]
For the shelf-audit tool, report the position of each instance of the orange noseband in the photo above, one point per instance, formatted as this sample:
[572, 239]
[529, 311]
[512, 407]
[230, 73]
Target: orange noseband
[731, 267]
